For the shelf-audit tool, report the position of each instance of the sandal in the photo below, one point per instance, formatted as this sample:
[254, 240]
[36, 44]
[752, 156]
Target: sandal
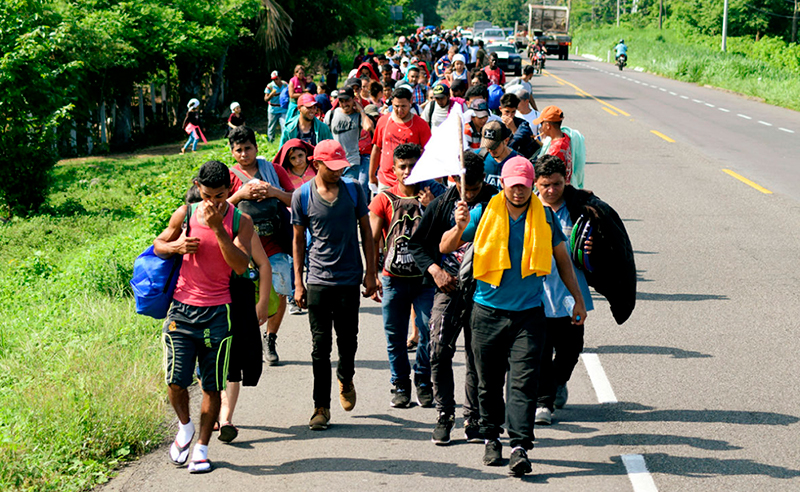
[200, 466]
[216, 426]
[227, 432]
[411, 345]
[181, 453]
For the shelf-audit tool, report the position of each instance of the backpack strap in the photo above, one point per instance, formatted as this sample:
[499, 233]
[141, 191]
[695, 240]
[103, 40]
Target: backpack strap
[235, 228]
[483, 153]
[350, 186]
[305, 197]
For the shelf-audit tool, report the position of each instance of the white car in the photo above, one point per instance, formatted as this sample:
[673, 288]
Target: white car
[493, 35]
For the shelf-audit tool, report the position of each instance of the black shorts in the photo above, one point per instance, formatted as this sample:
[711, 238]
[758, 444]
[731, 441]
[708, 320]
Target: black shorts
[197, 335]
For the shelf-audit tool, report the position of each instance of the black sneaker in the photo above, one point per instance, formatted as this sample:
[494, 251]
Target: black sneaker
[493, 455]
[402, 395]
[472, 432]
[441, 433]
[424, 391]
[272, 354]
[518, 463]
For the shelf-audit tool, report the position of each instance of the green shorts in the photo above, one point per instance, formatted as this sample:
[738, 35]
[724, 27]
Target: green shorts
[197, 335]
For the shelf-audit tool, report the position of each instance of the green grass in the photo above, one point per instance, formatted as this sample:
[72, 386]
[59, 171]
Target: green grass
[81, 386]
[768, 69]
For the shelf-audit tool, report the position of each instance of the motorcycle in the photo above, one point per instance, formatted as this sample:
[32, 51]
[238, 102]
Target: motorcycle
[538, 62]
[622, 60]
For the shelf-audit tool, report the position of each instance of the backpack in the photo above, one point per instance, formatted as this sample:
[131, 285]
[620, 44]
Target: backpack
[154, 278]
[495, 93]
[406, 217]
[283, 98]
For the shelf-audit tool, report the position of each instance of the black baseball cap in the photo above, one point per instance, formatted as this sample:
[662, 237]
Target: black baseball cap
[346, 93]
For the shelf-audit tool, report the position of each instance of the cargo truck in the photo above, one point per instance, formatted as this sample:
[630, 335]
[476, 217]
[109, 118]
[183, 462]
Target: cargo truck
[550, 24]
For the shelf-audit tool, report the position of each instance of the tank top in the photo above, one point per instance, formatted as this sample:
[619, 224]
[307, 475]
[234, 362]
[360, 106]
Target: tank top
[205, 276]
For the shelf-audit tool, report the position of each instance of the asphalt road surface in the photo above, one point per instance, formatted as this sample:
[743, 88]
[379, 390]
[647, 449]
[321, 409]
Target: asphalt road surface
[697, 391]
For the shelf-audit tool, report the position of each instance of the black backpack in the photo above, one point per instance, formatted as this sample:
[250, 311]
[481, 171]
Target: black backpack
[406, 217]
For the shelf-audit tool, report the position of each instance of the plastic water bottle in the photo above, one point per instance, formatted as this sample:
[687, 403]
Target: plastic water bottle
[569, 303]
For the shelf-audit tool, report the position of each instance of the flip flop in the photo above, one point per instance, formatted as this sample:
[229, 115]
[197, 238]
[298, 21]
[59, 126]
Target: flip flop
[200, 466]
[216, 426]
[411, 345]
[181, 452]
[227, 432]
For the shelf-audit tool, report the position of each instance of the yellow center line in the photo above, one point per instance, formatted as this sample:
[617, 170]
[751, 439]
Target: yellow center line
[609, 111]
[747, 181]
[659, 134]
[560, 80]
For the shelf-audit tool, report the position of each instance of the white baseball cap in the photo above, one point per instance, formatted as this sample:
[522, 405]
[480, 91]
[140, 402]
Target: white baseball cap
[275, 74]
[234, 105]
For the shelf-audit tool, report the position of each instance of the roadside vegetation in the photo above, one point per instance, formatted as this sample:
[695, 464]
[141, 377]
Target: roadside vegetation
[81, 386]
[768, 69]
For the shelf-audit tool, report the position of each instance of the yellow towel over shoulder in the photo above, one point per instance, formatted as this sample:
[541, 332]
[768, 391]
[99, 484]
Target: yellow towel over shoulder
[491, 242]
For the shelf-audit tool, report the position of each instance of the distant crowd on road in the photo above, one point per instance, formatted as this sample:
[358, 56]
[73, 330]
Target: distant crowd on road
[501, 252]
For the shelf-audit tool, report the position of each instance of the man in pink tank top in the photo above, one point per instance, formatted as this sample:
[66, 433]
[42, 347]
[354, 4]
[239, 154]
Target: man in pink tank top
[197, 328]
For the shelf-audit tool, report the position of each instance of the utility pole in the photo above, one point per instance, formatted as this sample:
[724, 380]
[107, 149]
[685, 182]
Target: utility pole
[725, 27]
[617, 13]
[794, 23]
[660, 12]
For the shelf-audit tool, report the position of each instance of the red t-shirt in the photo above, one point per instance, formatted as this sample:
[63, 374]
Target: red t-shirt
[496, 76]
[561, 148]
[270, 243]
[382, 207]
[389, 134]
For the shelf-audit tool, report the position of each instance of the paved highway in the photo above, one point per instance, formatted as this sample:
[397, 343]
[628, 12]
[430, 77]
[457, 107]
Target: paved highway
[697, 391]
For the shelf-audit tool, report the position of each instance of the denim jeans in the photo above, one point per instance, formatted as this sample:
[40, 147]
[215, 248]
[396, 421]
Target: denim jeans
[192, 141]
[274, 119]
[508, 341]
[399, 294]
[332, 308]
[360, 174]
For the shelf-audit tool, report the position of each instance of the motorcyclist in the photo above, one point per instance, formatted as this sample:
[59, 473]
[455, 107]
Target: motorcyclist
[538, 50]
[621, 49]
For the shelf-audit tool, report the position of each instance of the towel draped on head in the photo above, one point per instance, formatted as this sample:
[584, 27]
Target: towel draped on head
[491, 255]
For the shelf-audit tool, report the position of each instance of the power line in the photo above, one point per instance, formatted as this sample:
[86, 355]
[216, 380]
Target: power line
[768, 12]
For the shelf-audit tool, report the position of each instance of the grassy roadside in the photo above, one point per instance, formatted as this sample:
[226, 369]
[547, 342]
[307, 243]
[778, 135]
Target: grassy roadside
[768, 69]
[81, 388]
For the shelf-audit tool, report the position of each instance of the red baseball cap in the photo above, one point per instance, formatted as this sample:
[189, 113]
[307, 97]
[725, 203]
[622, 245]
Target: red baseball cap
[307, 100]
[518, 170]
[332, 154]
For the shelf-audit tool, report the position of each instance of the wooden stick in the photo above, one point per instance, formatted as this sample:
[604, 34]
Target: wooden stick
[461, 157]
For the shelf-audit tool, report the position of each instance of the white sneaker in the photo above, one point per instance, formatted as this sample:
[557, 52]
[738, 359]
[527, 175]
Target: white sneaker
[543, 416]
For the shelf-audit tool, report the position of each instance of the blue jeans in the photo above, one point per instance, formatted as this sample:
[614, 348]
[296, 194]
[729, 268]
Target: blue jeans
[275, 117]
[360, 174]
[192, 141]
[399, 294]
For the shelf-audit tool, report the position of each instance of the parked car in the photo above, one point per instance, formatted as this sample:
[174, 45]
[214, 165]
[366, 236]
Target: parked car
[507, 57]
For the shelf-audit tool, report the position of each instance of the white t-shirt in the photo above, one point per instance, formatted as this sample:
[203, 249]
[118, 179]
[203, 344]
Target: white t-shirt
[529, 118]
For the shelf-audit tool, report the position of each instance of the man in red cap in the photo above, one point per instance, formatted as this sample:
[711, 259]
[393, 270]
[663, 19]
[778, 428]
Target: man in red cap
[514, 244]
[306, 126]
[326, 207]
[560, 144]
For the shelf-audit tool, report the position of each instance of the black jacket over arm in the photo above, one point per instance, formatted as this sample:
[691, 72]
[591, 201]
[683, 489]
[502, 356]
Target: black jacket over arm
[614, 268]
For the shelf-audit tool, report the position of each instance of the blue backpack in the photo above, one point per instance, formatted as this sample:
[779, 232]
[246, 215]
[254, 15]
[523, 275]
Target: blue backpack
[154, 278]
[283, 99]
[495, 93]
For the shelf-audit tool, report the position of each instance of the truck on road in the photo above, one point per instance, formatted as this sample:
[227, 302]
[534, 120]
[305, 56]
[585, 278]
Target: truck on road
[550, 24]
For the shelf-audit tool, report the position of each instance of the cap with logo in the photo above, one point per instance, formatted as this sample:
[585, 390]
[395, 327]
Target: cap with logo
[517, 170]
[494, 132]
[307, 100]
[332, 154]
[550, 113]
[275, 74]
[441, 90]
[346, 93]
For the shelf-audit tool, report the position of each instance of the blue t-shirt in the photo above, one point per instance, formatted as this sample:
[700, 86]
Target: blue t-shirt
[494, 169]
[621, 49]
[554, 289]
[514, 292]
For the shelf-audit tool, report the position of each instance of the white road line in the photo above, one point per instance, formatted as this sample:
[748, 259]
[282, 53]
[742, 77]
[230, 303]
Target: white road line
[765, 123]
[785, 130]
[697, 100]
[640, 478]
[744, 116]
[662, 89]
[637, 81]
[710, 105]
[724, 110]
[599, 380]
[672, 93]
[684, 97]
